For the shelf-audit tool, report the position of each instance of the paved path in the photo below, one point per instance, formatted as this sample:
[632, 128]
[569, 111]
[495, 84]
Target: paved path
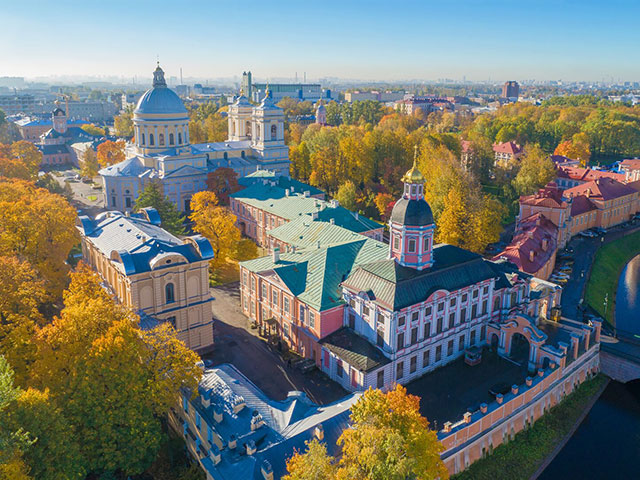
[240, 345]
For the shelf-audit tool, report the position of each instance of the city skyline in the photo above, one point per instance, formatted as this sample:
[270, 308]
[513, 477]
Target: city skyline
[568, 40]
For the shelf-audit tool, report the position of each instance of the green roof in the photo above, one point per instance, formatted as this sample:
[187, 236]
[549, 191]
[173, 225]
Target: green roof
[354, 349]
[396, 287]
[305, 232]
[260, 176]
[314, 275]
[274, 199]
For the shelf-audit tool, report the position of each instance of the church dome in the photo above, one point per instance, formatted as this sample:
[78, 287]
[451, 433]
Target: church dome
[159, 99]
[413, 176]
[412, 213]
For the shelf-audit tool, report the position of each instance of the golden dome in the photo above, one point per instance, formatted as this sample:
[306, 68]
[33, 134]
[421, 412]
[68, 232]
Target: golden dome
[414, 175]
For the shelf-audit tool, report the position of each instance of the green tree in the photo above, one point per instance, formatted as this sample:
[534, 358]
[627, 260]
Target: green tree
[123, 123]
[536, 170]
[347, 194]
[13, 441]
[153, 196]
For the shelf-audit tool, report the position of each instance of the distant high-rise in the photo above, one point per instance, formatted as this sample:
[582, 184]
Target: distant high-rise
[510, 89]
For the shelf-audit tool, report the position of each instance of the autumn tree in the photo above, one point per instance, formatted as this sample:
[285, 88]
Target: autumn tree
[94, 130]
[347, 194]
[536, 170]
[577, 149]
[39, 227]
[300, 161]
[217, 224]
[20, 159]
[223, 181]
[89, 164]
[313, 464]
[384, 203]
[110, 152]
[153, 196]
[112, 380]
[123, 123]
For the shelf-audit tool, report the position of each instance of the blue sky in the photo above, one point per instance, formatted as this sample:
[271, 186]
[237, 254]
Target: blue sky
[376, 40]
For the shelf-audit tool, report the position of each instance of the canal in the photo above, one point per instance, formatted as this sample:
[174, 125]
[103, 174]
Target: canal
[607, 443]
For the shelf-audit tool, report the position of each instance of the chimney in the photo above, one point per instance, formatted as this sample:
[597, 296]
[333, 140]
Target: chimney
[307, 194]
[239, 405]
[332, 221]
[267, 470]
[250, 447]
[233, 442]
[276, 254]
[528, 381]
[206, 401]
[545, 244]
[318, 432]
[287, 192]
[217, 414]
[532, 255]
[256, 420]
[314, 215]
[214, 453]
[467, 417]
[514, 389]
[499, 398]
[541, 373]
[447, 427]
[483, 408]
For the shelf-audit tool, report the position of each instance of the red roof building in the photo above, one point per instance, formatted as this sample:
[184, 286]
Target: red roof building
[533, 248]
[549, 202]
[569, 176]
[504, 152]
[631, 169]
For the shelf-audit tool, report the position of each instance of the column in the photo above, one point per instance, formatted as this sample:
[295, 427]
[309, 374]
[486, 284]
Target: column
[155, 136]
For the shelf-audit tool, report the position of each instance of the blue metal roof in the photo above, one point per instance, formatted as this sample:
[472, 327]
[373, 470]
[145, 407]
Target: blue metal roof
[160, 100]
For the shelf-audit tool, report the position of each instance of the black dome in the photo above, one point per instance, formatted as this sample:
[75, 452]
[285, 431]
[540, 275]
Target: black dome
[414, 213]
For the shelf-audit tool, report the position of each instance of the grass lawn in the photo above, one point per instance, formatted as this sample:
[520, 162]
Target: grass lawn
[521, 457]
[92, 198]
[609, 262]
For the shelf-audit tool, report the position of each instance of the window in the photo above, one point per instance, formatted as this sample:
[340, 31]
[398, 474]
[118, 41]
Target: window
[179, 138]
[452, 319]
[452, 303]
[185, 404]
[253, 284]
[301, 318]
[412, 245]
[441, 306]
[286, 305]
[312, 319]
[464, 297]
[483, 333]
[427, 330]
[127, 202]
[472, 338]
[274, 297]
[475, 294]
[365, 310]
[286, 329]
[113, 201]
[450, 348]
[425, 359]
[172, 321]
[264, 291]
[438, 353]
[161, 139]
[245, 275]
[400, 341]
[171, 139]
[209, 435]
[151, 142]
[496, 304]
[414, 316]
[274, 132]
[427, 311]
[169, 293]
[381, 379]
[352, 302]
[484, 307]
[142, 138]
[401, 321]
[461, 343]
[485, 290]
[396, 242]
[474, 310]
[413, 364]
[339, 371]
[414, 335]
[242, 154]
[463, 315]
[425, 246]
[439, 326]
[198, 421]
[352, 320]
[399, 370]
[380, 338]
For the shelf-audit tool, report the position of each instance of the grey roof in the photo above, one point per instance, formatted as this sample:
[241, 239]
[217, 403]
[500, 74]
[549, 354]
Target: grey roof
[53, 149]
[132, 167]
[396, 287]
[288, 424]
[230, 145]
[415, 213]
[136, 245]
[354, 349]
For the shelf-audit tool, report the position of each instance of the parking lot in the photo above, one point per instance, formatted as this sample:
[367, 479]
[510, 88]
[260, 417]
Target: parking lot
[86, 196]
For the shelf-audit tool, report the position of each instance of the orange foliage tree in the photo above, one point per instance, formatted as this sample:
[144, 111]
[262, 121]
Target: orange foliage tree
[110, 152]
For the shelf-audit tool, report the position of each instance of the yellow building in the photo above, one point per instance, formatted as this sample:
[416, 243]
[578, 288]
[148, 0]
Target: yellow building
[158, 275]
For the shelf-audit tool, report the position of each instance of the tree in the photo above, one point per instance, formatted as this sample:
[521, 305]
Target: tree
[300, 161]
[153, 196]
[453, 225]
[112, 380]
[536, 170]
[123, 123]
[39, 227]
[94, 130]
[13, 441]
[576, 149]
[217, 224]
[223, 181]
[55, 453]
[384, 203]
[390, 440]
[347, 195]
[89, 165]
[110, 152]
[314, 464]
[20, 160]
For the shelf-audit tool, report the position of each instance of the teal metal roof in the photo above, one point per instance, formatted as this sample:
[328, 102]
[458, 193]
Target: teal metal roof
[395, 286]
[314, 276]
[306, 233]
[261, 176]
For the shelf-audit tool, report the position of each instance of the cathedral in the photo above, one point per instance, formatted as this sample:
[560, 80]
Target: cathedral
[162, 151]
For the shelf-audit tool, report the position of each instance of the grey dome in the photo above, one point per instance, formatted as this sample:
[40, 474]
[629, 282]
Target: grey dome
[412, 213]
[160, 100]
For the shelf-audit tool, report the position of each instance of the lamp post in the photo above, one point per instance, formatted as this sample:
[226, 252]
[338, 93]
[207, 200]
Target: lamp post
[606, 304]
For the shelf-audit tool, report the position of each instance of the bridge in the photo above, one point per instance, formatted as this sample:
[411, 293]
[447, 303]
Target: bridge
[620, 356]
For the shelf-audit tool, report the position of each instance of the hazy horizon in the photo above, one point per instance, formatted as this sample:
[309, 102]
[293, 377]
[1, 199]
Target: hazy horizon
[353, 41]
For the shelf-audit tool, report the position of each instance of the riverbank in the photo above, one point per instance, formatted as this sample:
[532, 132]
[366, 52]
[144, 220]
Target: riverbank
[609, 262]
[522, 457]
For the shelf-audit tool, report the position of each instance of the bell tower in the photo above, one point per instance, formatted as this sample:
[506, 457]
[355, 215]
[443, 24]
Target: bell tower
[411, 224]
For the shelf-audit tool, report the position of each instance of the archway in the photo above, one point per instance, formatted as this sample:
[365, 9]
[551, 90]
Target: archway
[495, 342]
[519, 348]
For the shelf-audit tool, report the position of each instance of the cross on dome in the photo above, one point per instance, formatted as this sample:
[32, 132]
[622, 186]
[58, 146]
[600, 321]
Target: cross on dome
[414, 176]
[158, 77]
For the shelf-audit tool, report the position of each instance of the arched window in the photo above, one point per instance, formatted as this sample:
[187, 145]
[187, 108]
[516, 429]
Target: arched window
[171, 139]
[248, 129]
[161, 139]
[179, 138]
[274, 132]
[142, 138]
[226, 155]
[151, 139]
[169, 293]
[242, 153]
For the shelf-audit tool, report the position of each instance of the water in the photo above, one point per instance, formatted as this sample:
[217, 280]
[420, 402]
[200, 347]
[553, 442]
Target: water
[607, 443]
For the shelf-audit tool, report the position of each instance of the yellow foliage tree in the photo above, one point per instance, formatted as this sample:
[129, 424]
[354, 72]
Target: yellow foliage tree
[111, 152]
[217, 224]
[20, 160]
[89, 164]
[314, 464]
[37, 226]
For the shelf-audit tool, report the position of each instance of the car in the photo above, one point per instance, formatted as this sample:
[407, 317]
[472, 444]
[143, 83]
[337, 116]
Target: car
[588, 234]
[500, 388]
[86, 180]
[600, 230]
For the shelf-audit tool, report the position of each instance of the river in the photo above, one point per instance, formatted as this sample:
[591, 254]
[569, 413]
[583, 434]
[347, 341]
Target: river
[607, 443]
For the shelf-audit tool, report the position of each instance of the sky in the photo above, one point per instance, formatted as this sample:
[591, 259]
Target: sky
[351, 39]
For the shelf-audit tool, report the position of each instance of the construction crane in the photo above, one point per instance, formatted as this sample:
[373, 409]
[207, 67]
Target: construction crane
[66, 98]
